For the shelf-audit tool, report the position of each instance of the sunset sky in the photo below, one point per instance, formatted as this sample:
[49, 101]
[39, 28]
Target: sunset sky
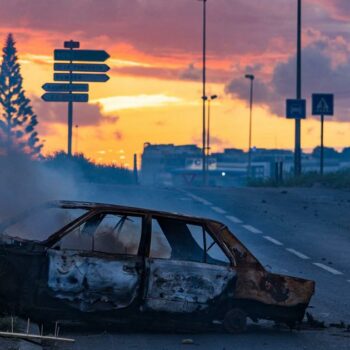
[154, 91]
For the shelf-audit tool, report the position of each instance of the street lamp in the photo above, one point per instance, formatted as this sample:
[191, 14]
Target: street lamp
[209, 99]
[251, 78]
[297, 146]
[204, 90]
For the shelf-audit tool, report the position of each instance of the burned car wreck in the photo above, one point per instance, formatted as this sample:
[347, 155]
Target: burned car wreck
[113, 264]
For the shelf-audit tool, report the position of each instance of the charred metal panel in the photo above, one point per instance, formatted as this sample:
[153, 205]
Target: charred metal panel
[92, 283]
[184, 287]
[255, 283]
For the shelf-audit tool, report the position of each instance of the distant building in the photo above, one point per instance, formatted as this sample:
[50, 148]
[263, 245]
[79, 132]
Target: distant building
[168, 164]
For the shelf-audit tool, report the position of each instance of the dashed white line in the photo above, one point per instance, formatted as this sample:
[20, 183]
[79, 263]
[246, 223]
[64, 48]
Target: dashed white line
[272, 240]
[329, 269]
[234, 219]
[298, 254]
[252, 229]
[218, 210]
[199, 199]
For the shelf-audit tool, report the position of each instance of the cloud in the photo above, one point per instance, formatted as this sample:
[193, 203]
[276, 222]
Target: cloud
[321, 72]
[157, 27]
[117, 103]
[190, 73]
[84, 114]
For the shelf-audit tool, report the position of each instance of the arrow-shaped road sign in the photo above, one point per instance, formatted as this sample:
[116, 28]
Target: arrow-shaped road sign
[81, 55]
[81, 67]
[97, 78]
[62, 97]
[59, 87]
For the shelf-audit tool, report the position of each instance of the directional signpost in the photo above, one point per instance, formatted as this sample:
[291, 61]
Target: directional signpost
[59, 87]
[322, 104]
[81, 67]
[62, 97]
[97, 78]
[63, 92]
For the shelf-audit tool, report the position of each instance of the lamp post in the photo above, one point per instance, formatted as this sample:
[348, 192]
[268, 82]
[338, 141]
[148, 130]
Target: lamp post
[251, 78]
[297, 147]
[76, 139]
[209, 99]
[204, 90]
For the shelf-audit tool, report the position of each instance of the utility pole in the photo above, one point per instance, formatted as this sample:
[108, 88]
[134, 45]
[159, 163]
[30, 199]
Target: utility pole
[251, 78]
[209, 99]
[297, 150]
[204, 92]
[71, 44]
[322, 146]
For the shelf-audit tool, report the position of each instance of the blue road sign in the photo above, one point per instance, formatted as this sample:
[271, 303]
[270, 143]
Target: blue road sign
[322, 104]
[80, 55]
[81, 67]
[295, 109]
[71, 44]
[97, 78]
[65, 97]
[59, 87]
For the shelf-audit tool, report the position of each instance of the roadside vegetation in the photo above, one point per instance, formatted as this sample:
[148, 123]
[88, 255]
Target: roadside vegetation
[338, 179]
[87, 171]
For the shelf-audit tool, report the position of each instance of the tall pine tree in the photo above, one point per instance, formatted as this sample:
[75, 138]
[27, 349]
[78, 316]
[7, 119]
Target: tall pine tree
[17, 120]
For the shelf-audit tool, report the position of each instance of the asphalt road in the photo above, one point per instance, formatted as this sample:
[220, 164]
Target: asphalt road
[300, 232]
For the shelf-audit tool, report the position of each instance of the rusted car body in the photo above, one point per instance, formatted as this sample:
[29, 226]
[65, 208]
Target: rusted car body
[115, 264]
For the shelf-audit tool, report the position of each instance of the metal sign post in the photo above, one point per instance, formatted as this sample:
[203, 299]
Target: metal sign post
[64, 92]
[322, 104]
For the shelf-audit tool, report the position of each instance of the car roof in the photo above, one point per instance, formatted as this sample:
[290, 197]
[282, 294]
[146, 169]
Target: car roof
[134, 210]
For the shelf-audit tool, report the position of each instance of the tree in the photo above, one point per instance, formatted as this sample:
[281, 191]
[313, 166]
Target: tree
[17, 121]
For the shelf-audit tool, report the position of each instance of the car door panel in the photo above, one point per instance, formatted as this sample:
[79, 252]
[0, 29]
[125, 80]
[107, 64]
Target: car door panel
[94, 283]
[185, 286]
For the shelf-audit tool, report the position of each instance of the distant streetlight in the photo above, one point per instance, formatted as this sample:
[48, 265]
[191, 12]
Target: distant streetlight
[209, 99]
[251, 78]
[76, 138]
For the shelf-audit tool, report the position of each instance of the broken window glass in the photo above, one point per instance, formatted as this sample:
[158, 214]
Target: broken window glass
[106, 233]
[213, 253]
[160, 247]
[178, 240]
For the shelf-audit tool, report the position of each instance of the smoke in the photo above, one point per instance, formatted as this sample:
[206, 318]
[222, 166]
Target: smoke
[25, 183]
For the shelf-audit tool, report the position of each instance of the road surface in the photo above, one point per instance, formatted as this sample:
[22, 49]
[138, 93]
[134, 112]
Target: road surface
[301, 232]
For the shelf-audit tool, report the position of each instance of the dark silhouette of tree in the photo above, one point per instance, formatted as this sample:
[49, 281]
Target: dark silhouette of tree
[17, 120]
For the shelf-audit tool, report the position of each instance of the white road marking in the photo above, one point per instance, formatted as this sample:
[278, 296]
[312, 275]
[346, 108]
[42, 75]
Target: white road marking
[234, 219]
[329, 269]
[252, 229]
[298, 254]
[199, 199]
[218, 210]
[272, 240]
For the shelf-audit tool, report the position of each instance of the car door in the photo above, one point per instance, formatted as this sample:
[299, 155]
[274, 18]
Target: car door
[97, 266]
[183, 274]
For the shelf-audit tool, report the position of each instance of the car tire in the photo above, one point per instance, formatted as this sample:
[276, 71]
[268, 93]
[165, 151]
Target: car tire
[235, 321]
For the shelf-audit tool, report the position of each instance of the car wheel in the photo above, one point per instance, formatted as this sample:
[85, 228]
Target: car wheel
[235, 321]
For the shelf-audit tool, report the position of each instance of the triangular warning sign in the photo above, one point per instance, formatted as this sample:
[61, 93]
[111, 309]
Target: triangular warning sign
[322, 106]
